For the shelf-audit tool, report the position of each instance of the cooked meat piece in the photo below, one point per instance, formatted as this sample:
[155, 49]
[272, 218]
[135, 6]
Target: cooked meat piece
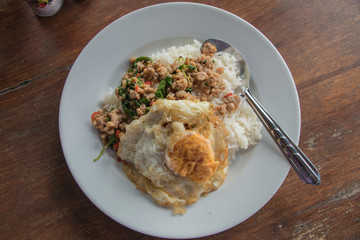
[189, 96]
[150, 74]
[140, 66]
[134, 95]
[232, 99]
[231, 102]
[209, 64]
[150, 96]
[208, 49]
[180, 84]
[220, 70]
[107, 121]
[221, 109]
[180, 94]
[171, 96]
[110, 127]
[200, 76]
[214, 78]
[162, 71]
[149, 89]
[141, 110]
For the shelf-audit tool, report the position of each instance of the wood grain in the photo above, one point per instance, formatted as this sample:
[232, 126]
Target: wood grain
[319, 40]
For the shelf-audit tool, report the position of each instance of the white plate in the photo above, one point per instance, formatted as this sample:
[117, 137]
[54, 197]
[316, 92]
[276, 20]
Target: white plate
[253, 178]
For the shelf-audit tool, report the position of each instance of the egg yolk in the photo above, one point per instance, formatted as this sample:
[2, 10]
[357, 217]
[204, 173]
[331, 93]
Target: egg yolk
[193, 157]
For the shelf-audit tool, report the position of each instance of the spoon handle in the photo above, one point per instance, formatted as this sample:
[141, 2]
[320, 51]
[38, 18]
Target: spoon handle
[297, 159]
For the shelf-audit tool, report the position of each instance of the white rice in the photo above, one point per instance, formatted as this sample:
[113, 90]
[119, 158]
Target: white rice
[243, 125]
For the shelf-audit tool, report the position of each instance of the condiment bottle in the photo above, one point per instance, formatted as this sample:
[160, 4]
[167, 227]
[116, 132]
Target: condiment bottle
[45, 8]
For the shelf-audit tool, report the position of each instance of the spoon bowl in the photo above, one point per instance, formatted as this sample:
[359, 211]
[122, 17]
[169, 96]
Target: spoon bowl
[304, 168]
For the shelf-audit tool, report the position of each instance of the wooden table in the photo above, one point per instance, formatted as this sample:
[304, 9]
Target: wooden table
[319, 40]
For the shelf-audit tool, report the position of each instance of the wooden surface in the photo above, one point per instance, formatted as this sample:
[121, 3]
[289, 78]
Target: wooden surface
[319, 40]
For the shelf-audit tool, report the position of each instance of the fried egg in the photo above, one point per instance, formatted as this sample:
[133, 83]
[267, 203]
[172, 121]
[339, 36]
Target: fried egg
[176, 153]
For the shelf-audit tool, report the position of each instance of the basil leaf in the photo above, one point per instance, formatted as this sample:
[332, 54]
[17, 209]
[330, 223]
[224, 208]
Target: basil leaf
[143, 58]
[186, 67]
[159, 94]
[130, 113]
[191, 67]
[144, 101]
[132, 86]
[161, 86]
[111, 141]
[122, 92]
[127, 109]
[169, 79]
[138, 103]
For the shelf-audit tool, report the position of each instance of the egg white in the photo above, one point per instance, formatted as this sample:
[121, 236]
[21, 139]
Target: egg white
[145, 145]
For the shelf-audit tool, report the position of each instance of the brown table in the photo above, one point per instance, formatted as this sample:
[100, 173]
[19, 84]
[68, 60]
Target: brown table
[319, 40]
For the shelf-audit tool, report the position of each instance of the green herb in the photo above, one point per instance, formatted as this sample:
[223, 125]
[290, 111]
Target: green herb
[161, 91]
[181, 67]
[191, 67]
[188, 90]
[111, 141]
[130, 113]
[127, 109]
[139, 81]
[142, 101]
[142, 59]
[187, 78]
[186, 67]
[108, 118]
[162, 85]
[159, 94]
[138, 103]
[181, 60]
[145, 101]
[122, 92]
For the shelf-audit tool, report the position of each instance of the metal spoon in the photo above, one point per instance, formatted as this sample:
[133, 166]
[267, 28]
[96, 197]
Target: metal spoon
[297, 159]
